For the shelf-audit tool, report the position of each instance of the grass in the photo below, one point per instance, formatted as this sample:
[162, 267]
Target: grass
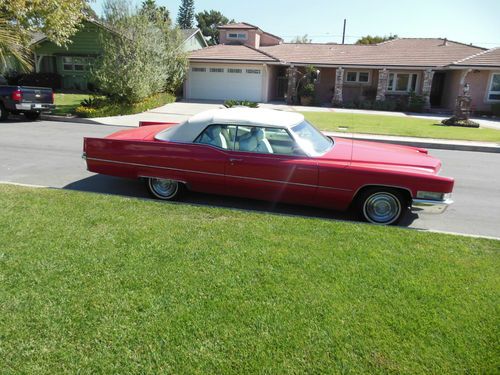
[106, 107]
[105, 284]
[404, 126]
[66, 103]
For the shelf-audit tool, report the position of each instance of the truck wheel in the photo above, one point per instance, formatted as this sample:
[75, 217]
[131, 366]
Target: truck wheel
[3, 113]
[32, 116]
[384, 206]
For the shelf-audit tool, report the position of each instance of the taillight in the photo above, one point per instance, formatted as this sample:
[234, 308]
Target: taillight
[53, 97]
[17, 95]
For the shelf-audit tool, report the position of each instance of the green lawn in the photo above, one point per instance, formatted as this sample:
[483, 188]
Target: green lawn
[104, 284]
[66, 103]
[405, 126]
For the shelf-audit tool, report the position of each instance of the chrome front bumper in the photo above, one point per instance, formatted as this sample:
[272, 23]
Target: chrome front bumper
[429, 206]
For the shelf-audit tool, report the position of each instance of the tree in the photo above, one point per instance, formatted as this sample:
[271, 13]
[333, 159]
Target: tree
[141, 57]
[368, 39]
[57, 19]
[208, 22]
[186, 14]
[12, 47]
[301, 39]
[156, 13]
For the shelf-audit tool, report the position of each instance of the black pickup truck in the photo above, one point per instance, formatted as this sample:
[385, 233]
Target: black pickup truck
[31, 101]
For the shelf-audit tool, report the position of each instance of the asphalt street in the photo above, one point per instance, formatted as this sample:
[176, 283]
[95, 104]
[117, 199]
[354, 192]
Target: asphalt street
[49, 154]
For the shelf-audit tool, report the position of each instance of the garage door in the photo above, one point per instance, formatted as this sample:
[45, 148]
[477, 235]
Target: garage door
[223, 83]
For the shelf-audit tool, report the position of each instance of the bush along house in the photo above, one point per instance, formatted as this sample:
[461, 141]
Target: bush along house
[251, 64]
[69, 65]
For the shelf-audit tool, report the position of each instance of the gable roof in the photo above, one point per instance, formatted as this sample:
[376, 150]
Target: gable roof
[190, 33]
[226, 52]
[401, 52]
[246, 26]
[489, 58]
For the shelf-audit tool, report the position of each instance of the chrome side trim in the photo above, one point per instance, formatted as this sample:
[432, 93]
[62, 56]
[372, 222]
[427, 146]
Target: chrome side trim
[429, 206]
[214, 174]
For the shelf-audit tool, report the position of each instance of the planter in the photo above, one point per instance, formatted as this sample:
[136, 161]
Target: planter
[306, 100]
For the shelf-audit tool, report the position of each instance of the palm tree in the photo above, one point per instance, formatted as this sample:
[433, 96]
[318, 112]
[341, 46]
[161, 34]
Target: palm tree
[12, 46]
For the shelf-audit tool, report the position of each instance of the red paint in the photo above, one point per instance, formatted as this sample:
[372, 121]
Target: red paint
[331, 180]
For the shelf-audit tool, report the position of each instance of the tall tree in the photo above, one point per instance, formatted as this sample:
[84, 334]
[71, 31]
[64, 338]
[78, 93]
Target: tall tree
[208, 22]
[368, 39]
[185, 18]
[12, 47]
[155, 12]
[57, 19]
[302, 39]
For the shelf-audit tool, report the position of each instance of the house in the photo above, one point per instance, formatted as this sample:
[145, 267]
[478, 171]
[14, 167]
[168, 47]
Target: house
[73, 61]
[252, 64]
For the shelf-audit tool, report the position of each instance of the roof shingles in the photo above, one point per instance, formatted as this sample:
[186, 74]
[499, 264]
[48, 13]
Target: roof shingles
[413, 52]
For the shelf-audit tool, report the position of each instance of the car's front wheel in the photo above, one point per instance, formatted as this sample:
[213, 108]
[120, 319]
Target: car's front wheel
[164, 189]
[382, 206]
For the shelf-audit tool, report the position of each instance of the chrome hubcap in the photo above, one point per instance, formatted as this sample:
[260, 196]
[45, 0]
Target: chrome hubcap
[164, 188]
[382, 208]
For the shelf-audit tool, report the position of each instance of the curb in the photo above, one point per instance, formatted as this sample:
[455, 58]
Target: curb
[440, 144]
[75, 119]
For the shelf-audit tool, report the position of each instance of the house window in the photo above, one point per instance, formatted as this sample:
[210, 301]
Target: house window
[195, 69]
[232, 70]
[402, 82]
[216, 70]
[253, 71]
[241, 36]
[78, 64]
[494, 90]
[357, 77]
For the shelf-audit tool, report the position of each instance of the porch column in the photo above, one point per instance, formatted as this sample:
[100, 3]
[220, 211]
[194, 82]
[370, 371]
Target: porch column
[291, 92]
[339, 85]
[383, 75]
[426, 87]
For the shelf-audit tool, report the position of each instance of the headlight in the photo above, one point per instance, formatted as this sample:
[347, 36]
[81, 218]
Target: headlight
[433, 195]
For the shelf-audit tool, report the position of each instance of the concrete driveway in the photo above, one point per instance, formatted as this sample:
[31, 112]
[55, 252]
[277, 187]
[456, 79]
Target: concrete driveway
[49, 154]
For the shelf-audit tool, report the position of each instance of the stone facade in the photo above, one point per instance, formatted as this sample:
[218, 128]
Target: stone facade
[383, 75]
[291, 93]
[339, 85]
[426, 87]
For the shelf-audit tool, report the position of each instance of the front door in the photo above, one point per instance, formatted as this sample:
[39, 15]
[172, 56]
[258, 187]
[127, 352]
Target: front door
[437, 89]
[266, 165]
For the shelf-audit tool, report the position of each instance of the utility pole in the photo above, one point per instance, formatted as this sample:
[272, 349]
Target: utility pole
[343, 32]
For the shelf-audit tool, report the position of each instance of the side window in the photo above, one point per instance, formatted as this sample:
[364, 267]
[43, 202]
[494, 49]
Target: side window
[265, 141]
[221, 136]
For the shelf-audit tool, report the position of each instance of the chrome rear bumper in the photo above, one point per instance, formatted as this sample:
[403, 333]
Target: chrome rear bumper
[429, 206]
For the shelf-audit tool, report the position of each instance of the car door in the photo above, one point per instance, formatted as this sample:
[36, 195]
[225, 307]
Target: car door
[264, 164]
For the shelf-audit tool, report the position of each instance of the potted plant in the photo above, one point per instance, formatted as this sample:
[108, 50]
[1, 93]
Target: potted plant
[307, 94]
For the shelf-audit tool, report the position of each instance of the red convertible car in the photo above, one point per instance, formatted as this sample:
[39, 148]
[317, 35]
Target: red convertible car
[276, 156]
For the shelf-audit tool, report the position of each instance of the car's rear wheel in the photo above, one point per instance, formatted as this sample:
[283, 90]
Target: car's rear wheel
[164, 189]
[382, 206]
[4, 114]
[32, 116]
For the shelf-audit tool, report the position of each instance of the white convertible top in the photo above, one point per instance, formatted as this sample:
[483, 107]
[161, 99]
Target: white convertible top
[187, 131]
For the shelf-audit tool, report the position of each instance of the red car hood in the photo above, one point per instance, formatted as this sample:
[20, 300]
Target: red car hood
[383, 156]
[139, 134]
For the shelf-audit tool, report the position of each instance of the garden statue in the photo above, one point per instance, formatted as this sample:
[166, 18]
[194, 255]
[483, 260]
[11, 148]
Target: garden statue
[462, 111]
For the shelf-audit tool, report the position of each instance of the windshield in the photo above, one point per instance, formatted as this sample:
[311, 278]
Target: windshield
[311, 140]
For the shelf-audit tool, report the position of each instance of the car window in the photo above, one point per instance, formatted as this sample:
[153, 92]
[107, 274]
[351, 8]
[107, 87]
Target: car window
[265, 141]
[221, 136]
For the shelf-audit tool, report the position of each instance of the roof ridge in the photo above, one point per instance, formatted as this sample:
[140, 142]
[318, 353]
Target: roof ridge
[475, 55]
[260, 51]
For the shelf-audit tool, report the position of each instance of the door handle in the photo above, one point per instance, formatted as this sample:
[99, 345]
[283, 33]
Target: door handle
[233, 160]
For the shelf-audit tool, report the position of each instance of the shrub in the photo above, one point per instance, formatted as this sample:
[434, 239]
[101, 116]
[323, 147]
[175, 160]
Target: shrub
[143, 57]
[455, 121]
[495, 109]
[384, 105]
[102, 107]
[416, 103]
[366, 104]
[245, 103]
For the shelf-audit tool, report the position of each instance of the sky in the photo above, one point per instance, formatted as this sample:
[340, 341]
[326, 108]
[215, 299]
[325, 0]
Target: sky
[466, 21]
